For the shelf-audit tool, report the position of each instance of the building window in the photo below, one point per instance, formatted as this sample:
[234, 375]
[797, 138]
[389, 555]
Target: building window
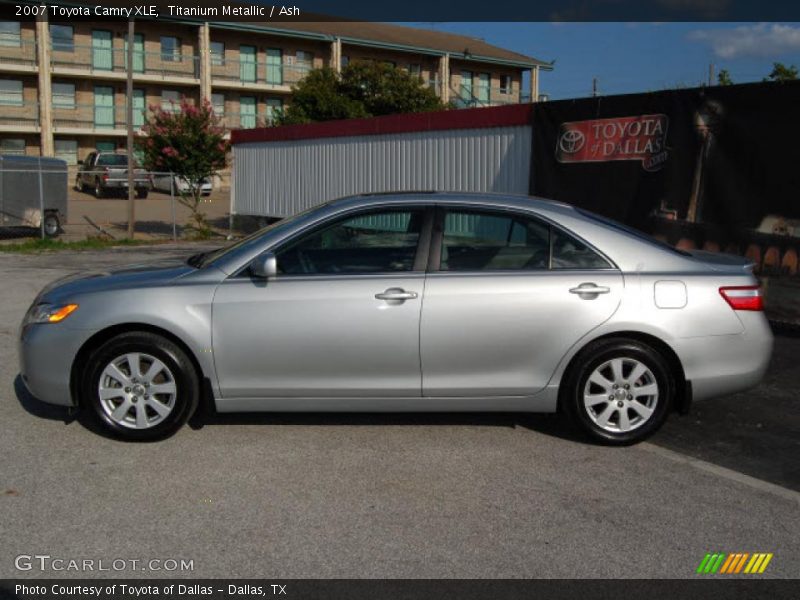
[64, 95]
[67, 150]
[345, 61]
[304, 58]
[389, 63]
[13, 146]
[62, 37]
[415, 70]
[218, 104]
[11, 92]
[10, 34]
[218, 54]
[105, 146]
[274, 110]
[505, 84]
[170, 49]
[170, 100]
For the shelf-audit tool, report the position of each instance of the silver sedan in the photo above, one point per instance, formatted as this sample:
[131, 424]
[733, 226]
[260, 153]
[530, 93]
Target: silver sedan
[407, 302]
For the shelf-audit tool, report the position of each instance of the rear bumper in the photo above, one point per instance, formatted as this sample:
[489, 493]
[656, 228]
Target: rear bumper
[725, 364]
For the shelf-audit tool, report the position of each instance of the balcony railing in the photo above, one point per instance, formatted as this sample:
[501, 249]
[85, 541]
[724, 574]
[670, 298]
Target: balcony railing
[25, 114]
[465, 96]
[238, 120]
[258, 72]
[90, 116]
[22, 53]
[115, 60]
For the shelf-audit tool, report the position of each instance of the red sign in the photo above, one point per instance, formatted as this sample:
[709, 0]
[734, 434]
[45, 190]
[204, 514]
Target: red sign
[641, 138]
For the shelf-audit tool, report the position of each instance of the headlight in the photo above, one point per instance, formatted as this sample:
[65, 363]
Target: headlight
[47, 313]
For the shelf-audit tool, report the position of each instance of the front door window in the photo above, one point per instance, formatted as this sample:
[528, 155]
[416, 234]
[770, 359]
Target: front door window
[380, 242]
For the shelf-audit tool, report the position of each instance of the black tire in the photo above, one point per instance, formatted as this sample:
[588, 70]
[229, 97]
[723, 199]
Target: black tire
[596, 355]
[52, 226]
[187, 383]
[99, 192]
[141, 193]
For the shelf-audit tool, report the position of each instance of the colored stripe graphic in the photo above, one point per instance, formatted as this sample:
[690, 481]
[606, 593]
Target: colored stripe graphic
[735, 562]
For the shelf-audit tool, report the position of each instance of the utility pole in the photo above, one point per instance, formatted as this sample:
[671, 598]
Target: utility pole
[129, 106]
[710, 74]
[594, 87]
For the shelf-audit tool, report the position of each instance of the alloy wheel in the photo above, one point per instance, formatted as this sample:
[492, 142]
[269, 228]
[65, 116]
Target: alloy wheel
[137, 390]
[621, 395]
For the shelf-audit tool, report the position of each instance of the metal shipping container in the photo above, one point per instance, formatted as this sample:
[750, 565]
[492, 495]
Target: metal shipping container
[278, 178]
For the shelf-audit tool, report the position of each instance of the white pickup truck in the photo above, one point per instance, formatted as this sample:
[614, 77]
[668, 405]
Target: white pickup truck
[107, 172]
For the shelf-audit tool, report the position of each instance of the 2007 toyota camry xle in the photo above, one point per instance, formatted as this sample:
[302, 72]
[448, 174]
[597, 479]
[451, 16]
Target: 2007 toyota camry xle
[407, 302]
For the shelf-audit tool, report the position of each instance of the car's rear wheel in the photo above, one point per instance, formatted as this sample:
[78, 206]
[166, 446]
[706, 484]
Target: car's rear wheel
[141, 386]
[619, 391]
[99, 192]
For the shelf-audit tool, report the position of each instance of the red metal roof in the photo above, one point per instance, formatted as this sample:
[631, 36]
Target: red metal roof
[469, 118]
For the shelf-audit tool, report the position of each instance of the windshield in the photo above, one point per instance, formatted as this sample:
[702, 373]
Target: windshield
[206, 258]
[631, 231]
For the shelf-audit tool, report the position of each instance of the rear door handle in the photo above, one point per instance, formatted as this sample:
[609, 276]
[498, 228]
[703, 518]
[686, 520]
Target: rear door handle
[589, 290]
[396, 294]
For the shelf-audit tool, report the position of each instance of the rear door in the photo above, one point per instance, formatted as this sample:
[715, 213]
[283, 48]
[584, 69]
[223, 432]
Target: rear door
[506, 296]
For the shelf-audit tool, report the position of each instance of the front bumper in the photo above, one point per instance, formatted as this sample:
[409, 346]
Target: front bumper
[46, 354]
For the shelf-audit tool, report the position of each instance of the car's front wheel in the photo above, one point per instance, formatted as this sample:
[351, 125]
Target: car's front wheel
[141, 386]
[619, 391]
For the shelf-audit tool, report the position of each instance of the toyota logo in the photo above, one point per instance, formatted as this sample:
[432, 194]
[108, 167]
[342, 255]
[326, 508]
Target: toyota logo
[571, 141]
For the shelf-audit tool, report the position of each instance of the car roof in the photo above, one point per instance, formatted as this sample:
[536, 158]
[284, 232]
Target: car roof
[485, 199]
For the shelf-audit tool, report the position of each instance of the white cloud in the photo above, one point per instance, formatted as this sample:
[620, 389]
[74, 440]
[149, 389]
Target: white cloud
[750, 40]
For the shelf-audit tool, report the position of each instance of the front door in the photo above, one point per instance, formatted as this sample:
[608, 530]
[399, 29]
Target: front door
[103, 106]
[102, 50]
[247, 63]
[247, 112]
[507, 296]
[341, 319]
[139, 108]
[274, 66]
[138, 52]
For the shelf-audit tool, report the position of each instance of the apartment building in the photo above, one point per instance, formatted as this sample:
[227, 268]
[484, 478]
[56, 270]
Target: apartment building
[62, 84]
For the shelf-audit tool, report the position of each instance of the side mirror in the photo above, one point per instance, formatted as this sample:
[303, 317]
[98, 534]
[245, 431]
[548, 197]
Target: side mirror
[264, 266]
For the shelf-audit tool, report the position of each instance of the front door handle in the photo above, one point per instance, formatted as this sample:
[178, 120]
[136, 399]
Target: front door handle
[396, 294]
[589, 290]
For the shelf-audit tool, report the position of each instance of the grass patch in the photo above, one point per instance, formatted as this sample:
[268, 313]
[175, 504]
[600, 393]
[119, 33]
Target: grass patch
[51, 245]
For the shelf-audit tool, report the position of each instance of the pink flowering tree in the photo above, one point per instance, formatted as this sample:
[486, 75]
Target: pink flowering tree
[188, 141]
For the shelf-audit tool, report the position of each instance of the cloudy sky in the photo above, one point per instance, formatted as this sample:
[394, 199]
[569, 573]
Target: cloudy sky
[634, 57]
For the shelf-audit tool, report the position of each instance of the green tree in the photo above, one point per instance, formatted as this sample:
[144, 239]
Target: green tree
[781, 72]
[363, 89]
[188, 141]
[724, 77]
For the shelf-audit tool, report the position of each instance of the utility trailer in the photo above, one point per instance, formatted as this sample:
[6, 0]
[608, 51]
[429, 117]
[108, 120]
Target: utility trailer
[33, 193]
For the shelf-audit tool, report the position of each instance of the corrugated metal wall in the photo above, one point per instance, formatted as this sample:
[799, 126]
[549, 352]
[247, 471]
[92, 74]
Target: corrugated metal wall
[278, 179]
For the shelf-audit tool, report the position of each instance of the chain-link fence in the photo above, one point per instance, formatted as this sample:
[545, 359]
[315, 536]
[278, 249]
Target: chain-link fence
[46, 198]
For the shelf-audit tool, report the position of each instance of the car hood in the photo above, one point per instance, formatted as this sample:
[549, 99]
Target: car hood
[133, 276]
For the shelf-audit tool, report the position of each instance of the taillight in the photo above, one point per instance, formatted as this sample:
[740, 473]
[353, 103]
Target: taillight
[743, 297]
